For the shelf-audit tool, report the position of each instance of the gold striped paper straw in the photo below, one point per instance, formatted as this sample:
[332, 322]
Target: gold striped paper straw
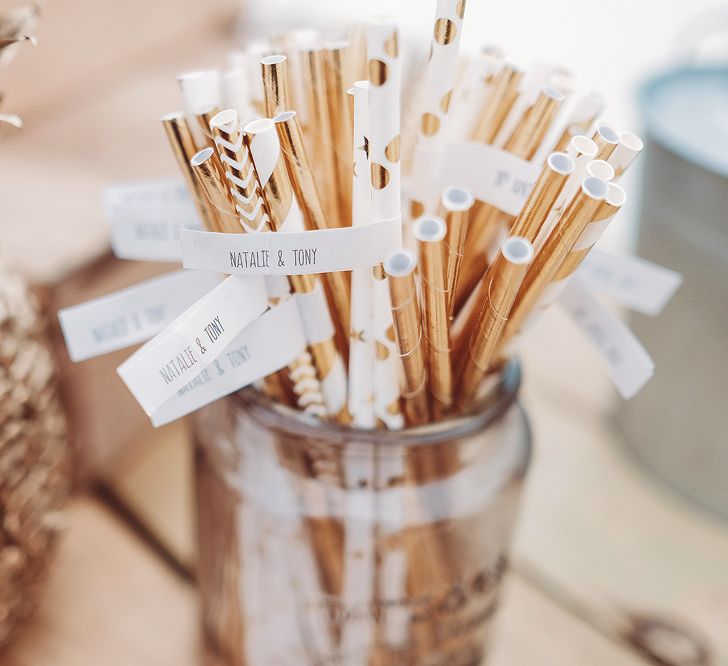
[437, 95]
[430, 235]
[503, 280]
[304, 186]
[361, 338]
[285, 215]
[400, 269]
[455, 206]
[183, 147]
[338, 81]
[582, 116]
[384, 170]
[579, 213]
[625, 153]
[607, 139]
[246, 193]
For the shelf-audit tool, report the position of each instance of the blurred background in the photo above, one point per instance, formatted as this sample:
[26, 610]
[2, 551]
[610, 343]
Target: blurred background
[621, 555]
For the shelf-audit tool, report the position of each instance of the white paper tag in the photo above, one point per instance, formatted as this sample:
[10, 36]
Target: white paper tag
[291, 253]
[193, 341]
[146, 218]
[632, 281]
[626, 360]
[270, 343]
[492, 175]
[315, 315]
[131, 315]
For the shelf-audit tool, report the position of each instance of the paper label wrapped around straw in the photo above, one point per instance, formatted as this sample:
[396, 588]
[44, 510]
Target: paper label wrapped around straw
[193, 341]
[270, 343]
[627, 362]
[490, 174]
[291, 253]
[146, 219]
[131, 315]
[632, 281]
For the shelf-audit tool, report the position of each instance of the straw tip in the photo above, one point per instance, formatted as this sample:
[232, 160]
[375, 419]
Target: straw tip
[275, 59]
[429, 229]
[457, 199]
[201, 156]
[284, 116]
[594, 187]
[400, 264]
[616, 196]
[561, 163]
[224, 118]
[631, 141]
[608, 133]
[517, 250]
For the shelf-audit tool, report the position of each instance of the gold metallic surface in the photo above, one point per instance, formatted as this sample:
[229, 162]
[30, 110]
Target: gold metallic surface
[206, 169]
[531, 129]
[498, 103]
[300, 170]
[183, 147]
[500, 287]
[275, 87]
[445, 31]
[457, 227]
[203, 120]
[434, 312]
[408, 335]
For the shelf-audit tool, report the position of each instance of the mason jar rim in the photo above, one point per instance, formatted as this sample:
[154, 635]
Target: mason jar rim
[486, 410]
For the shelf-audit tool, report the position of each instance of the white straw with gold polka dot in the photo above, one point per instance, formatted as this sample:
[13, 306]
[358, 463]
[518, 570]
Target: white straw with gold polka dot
[437, 95]
[384, 169]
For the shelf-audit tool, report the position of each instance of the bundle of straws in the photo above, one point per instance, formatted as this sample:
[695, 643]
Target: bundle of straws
[268, 147]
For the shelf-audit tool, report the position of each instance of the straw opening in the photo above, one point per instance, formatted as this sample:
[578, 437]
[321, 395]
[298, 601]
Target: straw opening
[273, 60]
[561, 163]
[457, 199]
[258, 126]
[201, 156]
[224, 118]
[594, 187]
[616, 196]
[631, 141]
[584, 145]
[600, 169]
[400, 264]
[517, 250]
[429, 229]
[609, 134]
[284, 116]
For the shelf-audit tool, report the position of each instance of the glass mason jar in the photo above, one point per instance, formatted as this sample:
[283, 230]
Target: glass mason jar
[321, 544]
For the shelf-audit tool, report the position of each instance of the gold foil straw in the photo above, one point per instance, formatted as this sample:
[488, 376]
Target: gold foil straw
[430, 235]
[301, 173]
[400, 269]
[337, 83]
[530, 131]
[607, 139]
[502, 282]
[542, 197]
[319, 145]
[456, 204]
[581, 118]
[498, 103]
[275, 88]
[578, 214]
[206, 170]
[183, 147]
[203, 117]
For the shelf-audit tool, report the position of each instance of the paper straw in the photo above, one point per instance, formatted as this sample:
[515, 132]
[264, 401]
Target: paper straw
[206, 169]
[583, 115]
[607, 139]
[302, 179]
[437, 95]
[285, 215]
[361, 338]
[626, 151]
[578, 214]
[455, 204]
[531, 129]
[201, 90]
[498, 103]
[430, 235]
[275, 87]
[203, 117]
[183, 147]
[384, 170]
[338, 81]
[318, 130]
[502, 282]
[236, 94]
[246, 192]
[400, 269]
[543, 196]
